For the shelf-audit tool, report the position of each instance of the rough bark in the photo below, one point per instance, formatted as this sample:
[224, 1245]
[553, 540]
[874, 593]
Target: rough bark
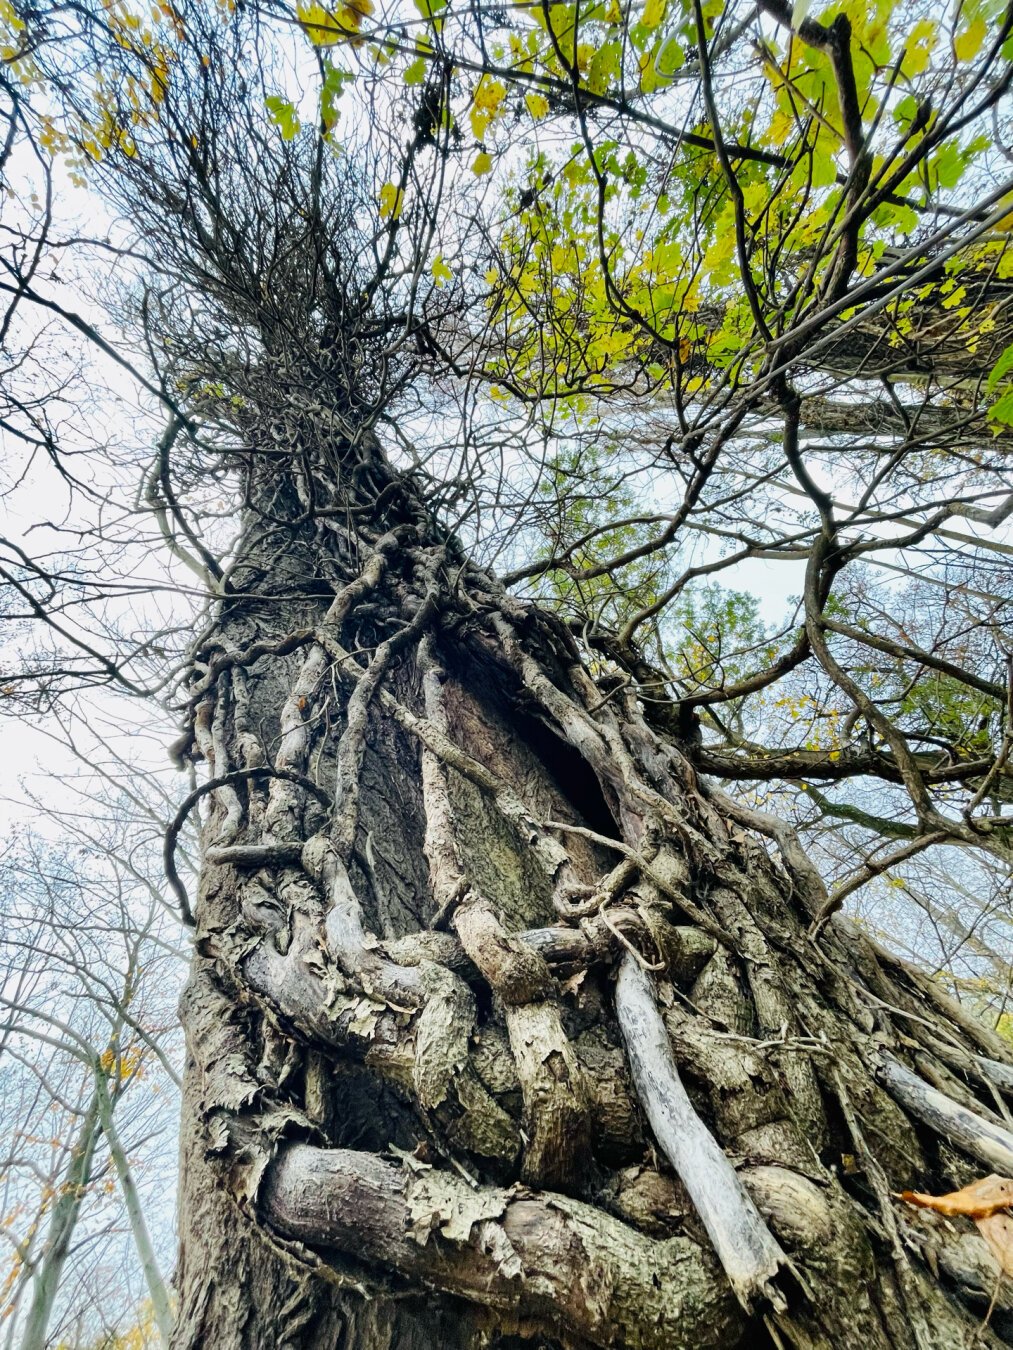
[409, 1118]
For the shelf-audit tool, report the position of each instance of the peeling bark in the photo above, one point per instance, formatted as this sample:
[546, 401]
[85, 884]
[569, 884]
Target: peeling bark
[530, 1257]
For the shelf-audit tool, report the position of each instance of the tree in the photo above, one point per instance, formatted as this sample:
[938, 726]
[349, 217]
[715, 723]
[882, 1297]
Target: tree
[92, 969]
[78, 1035]
[507, 1022]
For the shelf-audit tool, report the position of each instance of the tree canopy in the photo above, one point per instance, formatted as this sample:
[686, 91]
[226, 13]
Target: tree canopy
[648, 294]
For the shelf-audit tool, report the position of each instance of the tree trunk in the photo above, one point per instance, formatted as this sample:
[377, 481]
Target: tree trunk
[69, 1196]
[161, 1307]
[436, 831]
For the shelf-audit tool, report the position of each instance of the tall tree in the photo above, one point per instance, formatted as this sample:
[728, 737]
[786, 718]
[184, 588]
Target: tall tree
[507, 1023]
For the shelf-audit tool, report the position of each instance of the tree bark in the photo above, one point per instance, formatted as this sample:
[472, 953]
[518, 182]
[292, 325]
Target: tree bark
[409, 1117]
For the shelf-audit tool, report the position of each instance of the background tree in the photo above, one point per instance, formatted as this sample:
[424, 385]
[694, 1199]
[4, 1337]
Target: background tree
[86, 1079]
[508, 1021]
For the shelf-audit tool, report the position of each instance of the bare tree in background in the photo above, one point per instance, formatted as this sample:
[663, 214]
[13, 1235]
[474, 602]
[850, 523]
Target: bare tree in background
[519, 1012]
[85, 1062]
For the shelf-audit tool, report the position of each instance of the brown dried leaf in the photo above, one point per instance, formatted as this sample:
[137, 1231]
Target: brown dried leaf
[997, 1230]
[978, 1201]
[571, 985]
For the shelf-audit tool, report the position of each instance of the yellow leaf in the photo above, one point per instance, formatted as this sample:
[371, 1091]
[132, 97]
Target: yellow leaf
[441, 272]
[919, 46]
[391, 201]
[537, 105]
[321, 26]
[353, 12]
[326, 27]
[9, 16]
[489, 94]
[654, 12]
[482, 163]
[968, 45]
[782, 124]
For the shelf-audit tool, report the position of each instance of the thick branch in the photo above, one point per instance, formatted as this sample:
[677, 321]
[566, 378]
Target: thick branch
[528, 1255]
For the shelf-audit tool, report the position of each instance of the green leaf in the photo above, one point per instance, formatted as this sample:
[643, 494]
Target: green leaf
[605, 67]
[284, 116]
[430, 9]
[950, 165]
[416, 72]
[1002, 367]
[1002, 410]
[334, 83]
[897, 216]
[906, 110]
[824, 166]
[670, 58]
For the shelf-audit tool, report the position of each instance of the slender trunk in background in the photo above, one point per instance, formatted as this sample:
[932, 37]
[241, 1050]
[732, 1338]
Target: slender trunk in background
[157, 1292]
[62, 1224]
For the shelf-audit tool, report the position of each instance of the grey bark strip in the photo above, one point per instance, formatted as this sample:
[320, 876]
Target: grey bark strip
[752, 1258]
[988, 1142]
[557, 1097]
[1001, 1075]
